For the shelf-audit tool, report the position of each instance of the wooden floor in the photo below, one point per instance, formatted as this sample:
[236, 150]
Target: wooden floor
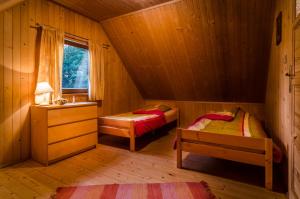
[155, 162]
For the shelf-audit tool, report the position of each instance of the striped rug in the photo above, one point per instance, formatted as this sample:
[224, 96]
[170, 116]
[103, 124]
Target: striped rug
[180, 190]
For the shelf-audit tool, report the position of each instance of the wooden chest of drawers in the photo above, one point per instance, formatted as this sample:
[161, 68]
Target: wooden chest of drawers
[58, 132]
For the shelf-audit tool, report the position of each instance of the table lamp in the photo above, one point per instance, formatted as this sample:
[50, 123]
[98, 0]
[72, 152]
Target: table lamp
[42, 93]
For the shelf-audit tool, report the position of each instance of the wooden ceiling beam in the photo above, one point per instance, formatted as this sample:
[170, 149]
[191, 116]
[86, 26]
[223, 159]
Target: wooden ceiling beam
[6, 4]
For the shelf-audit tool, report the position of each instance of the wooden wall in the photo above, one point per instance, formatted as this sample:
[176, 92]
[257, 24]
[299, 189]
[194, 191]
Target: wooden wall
[16, 83]
[199, 50]
[120, 93]
[17, 71]
[190, 110]
[278, 98]
[5, 4]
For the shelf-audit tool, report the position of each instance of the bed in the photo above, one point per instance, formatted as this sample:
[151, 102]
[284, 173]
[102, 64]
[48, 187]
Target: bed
[137, 123]
[233, 135]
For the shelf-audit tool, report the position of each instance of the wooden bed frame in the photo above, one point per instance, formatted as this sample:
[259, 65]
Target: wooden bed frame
[255, 151]
[124, 128]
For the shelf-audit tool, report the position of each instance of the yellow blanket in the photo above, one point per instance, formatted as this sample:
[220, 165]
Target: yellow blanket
[235, 127]
[243, 124]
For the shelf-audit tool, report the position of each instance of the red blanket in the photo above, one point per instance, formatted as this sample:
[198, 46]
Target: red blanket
[145, 126]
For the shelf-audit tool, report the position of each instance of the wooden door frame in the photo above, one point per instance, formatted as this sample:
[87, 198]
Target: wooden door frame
[292, 193]
[296, 24]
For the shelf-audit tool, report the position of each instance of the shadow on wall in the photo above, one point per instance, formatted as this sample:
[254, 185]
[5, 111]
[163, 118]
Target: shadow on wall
[16, 98]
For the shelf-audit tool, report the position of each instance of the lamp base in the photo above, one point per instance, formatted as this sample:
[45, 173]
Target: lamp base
[42, 99]
[44, 104]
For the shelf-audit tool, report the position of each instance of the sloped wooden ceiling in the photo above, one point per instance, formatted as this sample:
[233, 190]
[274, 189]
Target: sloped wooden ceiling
[103, 9]
[213, 50]
[5, 4]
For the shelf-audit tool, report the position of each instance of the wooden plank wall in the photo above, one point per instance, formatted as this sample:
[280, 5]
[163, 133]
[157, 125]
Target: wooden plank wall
[199, 50]
[121, 94]
[17, 71]
[16, 77]
[190, 110]
[278, 98]
[5, 4]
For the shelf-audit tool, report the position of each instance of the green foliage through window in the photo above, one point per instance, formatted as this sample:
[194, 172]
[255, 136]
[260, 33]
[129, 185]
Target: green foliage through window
[75, 67]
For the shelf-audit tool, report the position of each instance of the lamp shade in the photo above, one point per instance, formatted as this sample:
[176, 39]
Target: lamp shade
[43, 87]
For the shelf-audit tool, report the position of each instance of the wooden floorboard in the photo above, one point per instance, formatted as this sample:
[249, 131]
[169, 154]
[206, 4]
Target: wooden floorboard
[154, 162]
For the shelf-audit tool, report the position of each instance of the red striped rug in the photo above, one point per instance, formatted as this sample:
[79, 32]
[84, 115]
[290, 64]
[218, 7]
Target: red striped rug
[180, 190]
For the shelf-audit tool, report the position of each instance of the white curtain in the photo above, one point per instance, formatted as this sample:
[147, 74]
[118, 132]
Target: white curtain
[51, 59]
[98, 60]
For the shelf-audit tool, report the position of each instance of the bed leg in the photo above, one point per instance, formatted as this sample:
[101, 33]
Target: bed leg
[132, 137]
[179, 151]
[269, 164]
[132, 143]
[178, 118]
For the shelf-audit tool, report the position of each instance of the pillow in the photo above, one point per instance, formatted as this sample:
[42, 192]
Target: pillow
[164, 108]
[234, 111]
[231, 113]
[147, 107]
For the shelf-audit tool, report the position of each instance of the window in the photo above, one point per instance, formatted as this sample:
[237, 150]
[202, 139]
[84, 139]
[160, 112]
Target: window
[75, 76]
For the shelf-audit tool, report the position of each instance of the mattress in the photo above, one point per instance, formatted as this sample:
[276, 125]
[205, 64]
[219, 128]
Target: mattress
[144, 123]
[170, 116]
[131, 117]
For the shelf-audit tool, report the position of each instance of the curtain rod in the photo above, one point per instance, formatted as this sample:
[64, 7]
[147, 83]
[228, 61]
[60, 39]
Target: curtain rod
[76, 36]
[38, 25]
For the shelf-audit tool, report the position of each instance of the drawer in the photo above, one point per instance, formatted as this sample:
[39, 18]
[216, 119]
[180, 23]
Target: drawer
[68, 115]
[67, 131]
[72, 146]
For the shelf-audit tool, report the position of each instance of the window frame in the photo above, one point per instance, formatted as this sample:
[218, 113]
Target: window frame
[79, 43]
